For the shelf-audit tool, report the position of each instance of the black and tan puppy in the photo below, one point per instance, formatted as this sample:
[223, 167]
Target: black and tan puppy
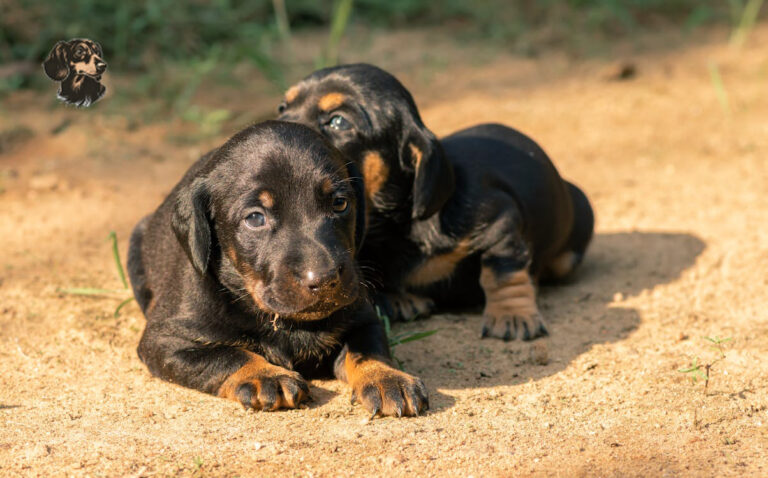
[246, 276]
[481, 215]
[78, 64]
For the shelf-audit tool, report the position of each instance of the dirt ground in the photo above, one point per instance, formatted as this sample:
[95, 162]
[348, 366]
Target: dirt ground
[675, 167]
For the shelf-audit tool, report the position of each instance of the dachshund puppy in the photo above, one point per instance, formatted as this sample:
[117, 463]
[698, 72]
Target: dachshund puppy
[478, 217]
[78, 65]
[246, 276]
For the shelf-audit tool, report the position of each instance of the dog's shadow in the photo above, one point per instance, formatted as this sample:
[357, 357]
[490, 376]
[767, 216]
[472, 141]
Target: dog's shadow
[580, 314]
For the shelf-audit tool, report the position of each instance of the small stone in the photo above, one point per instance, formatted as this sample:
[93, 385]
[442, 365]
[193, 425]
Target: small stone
[44, 182]
[539, 353]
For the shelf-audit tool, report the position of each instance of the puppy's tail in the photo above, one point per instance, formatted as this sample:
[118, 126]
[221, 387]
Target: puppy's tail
[136, 266]
[572, 254]
[583, 222]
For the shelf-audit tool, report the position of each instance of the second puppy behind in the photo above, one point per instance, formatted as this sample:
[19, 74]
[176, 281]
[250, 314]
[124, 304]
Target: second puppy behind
[478, 217]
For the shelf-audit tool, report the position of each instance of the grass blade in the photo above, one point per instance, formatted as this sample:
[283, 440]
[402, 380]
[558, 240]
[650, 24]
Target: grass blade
[89, 291]
[121, 305]
[717, 82]
[746, 23]
[415, 336]
[341, 14]
[116, 255]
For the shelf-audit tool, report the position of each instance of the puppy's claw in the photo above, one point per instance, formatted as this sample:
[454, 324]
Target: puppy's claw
[508, 333]
[526, 332]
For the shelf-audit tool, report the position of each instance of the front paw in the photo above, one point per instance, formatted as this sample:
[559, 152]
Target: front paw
[404, 306]
[385, 391]
[526, 326]
[266, 387]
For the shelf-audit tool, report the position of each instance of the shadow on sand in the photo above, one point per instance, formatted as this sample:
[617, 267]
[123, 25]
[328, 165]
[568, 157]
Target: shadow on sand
[579, 315]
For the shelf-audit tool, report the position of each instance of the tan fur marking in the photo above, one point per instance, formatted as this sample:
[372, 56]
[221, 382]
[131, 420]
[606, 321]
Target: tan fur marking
[508, 296]
[252, 283]
[561, 265]
[326, 186]
[359, 367]
[256, 366]
[266, 198]
[362, 372]
[417, 155]
[291, 93]
[375, 173]
[331, 101]
[256, 371]
[439, 267]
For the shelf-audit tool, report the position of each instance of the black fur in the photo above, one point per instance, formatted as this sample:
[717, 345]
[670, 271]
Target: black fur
[78, 64]
[487, 193]
[215, 289]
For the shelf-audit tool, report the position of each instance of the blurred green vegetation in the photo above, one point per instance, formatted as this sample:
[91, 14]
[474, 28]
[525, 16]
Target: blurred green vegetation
[136, 35]
[166, 50]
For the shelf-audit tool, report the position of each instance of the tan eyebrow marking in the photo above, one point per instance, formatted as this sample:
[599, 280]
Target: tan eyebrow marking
[326, 186]
[266, 199]
[291, 93]
[331, 101]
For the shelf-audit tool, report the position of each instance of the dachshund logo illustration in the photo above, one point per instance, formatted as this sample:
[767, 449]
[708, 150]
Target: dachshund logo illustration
[78, 64]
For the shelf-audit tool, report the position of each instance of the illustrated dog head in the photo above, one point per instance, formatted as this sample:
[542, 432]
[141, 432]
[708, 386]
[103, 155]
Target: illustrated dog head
[371, 117]
[78, 64]
[281, 211]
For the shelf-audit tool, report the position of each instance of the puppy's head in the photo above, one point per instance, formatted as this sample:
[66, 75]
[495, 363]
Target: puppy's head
[371, 117]
[277, 208]
[81, 56]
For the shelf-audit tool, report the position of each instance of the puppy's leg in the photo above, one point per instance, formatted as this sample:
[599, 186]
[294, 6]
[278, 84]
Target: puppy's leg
[403, 306]
[226, 371]
[365, 365]
[510, 296]
[260, 385]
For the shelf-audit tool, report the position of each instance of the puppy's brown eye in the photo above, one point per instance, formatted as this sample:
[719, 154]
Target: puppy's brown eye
[255, 220]
[340, 204]
[282, 107]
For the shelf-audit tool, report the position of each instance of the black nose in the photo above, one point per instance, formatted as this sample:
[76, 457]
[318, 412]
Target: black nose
[101, 66]
[327, 280]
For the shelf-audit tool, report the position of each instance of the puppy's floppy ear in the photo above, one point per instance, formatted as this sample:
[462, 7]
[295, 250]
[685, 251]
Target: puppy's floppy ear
[56, 66]
[190, 223]
[356, 179]
[433, 181]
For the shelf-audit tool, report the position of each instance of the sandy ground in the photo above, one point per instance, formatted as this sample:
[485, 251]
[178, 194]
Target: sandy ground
[680, 186]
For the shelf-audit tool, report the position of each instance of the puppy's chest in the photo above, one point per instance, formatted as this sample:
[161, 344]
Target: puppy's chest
[309, 352]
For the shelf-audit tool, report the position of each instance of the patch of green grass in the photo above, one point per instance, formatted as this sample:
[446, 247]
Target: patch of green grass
[397, 339]
[99, 292]
[703, 371]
